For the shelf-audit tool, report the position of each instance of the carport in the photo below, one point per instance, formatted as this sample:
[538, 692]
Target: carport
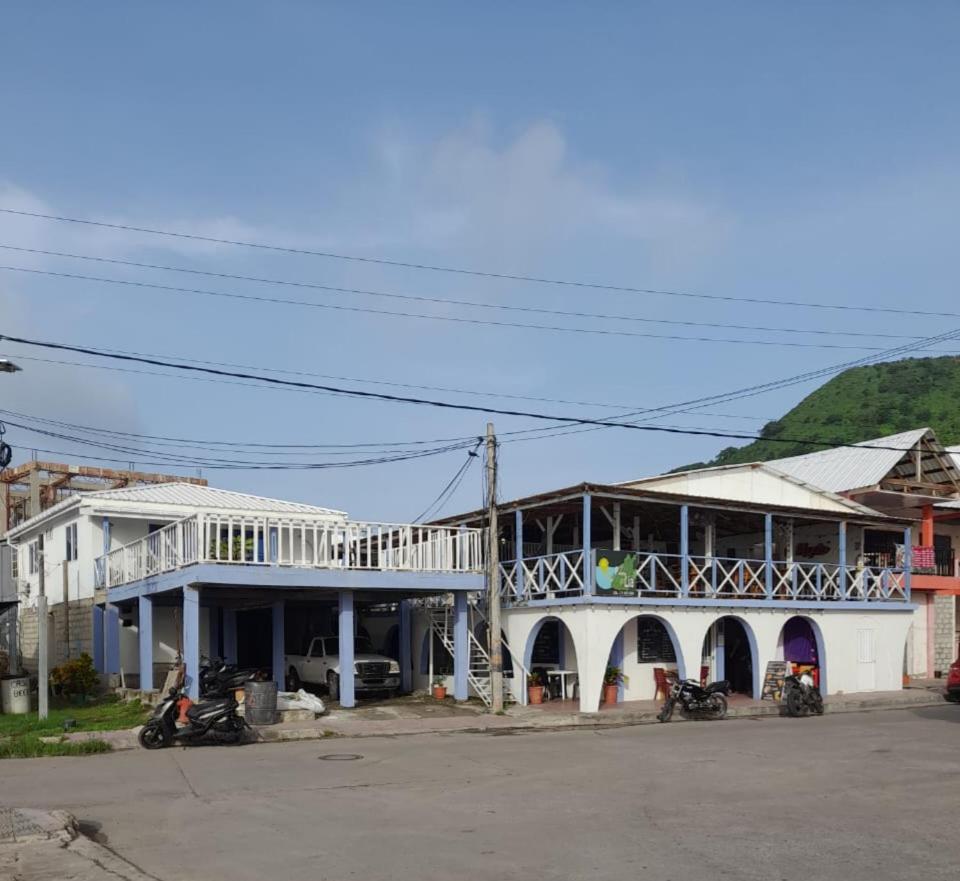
[206, 562]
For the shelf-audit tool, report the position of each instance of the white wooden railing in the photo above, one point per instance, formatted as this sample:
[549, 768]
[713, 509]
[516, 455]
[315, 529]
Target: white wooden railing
[666, 576]
[297, 542]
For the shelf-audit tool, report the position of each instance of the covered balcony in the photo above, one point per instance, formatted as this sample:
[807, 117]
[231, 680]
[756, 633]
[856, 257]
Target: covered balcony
[622, 545]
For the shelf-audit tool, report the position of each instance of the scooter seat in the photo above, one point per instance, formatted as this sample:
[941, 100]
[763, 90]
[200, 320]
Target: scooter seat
[218, 705]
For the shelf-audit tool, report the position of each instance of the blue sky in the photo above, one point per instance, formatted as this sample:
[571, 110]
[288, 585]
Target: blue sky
[764, 150]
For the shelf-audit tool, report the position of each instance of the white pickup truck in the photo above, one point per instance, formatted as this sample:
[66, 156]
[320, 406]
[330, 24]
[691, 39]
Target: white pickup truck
[321, 666]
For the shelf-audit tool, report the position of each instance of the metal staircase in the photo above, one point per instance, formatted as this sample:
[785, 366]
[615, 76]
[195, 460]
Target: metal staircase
[478, 669]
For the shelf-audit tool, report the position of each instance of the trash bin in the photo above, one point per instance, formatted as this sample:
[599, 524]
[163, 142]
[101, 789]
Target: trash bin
[260, 702]
[15, 693]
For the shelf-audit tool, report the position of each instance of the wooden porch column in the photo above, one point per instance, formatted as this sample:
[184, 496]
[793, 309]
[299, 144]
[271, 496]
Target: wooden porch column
[684, 550]
[587, 546]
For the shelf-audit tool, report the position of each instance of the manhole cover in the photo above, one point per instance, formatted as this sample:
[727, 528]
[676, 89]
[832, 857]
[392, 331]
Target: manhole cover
[340, 757]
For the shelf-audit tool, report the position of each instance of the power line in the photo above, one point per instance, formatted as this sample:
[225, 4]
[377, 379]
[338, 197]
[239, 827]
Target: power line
[451, 301]
[446, 405]
[336, 307]
[531, 279]
[451, 487]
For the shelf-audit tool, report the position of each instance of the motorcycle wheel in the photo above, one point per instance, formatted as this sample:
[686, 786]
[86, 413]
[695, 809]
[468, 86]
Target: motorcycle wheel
[152, 736]
[666, 712]
[796, 706]
[816, 703]
[718, 706]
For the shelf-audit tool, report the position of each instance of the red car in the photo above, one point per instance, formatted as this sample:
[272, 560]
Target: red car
[952, 691]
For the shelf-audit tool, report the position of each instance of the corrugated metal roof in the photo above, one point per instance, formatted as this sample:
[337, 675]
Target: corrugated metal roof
[954, 454]
[177, 495]
[192, 496]
[845, 468]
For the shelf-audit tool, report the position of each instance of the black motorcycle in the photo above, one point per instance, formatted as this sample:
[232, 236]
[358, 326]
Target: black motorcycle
[696, 701]
[217, 719]
[219, 679]
[801, 697]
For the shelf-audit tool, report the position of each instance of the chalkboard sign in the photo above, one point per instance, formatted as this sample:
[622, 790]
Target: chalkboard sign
[546, 647]
[773, 681]
[653, 642]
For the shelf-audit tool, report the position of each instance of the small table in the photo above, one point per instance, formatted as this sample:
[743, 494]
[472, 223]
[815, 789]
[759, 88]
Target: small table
[562, 676]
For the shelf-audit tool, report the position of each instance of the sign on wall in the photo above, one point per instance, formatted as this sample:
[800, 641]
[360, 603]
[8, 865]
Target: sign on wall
[616, 573]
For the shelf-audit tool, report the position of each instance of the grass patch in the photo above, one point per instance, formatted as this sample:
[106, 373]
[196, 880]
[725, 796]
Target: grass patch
[20, 735]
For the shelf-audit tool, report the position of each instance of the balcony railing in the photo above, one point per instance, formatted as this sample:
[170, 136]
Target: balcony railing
[672, 576]
[303, 543]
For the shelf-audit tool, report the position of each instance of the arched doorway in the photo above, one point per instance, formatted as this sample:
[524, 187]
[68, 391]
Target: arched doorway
[550, 647]
[801, 646]
[730, 652]
[647, 652]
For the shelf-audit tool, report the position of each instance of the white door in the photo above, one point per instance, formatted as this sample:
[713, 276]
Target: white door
[866, 661]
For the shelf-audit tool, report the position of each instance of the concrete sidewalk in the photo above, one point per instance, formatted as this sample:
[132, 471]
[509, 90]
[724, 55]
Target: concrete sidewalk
[425, 716]
[43, 845]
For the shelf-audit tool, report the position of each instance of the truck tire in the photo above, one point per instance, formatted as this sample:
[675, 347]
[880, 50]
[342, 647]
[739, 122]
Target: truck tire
[333, 686]
[294, 682]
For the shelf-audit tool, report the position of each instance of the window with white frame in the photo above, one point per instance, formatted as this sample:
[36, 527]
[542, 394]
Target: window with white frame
[71, 531]
[33, 558]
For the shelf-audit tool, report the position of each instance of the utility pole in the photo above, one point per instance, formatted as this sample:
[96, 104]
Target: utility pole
[493, 575]
[43, 660]
[66, 608]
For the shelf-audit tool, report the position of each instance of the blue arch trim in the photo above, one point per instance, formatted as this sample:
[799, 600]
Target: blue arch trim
[754, 652]
[821, 647]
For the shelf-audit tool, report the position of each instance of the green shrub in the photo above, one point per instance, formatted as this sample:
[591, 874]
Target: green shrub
[76, 677]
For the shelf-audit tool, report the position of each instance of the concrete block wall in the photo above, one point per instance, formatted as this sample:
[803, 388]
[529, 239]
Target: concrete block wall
[944, 632]
[80, 633]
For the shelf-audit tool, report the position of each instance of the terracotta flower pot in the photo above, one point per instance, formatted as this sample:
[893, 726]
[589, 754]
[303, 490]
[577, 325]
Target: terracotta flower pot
[439, 692]
[610, 693]
[535, 694]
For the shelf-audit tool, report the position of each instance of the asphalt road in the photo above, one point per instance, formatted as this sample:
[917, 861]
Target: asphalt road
[854, 796]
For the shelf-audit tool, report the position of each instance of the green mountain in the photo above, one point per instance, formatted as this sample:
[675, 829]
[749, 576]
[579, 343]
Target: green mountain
[861, 404]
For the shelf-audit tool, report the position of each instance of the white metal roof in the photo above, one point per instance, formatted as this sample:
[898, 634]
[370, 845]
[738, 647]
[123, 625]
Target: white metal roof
[740, 482]
[845, 468]
[176, 498]
[192, 496]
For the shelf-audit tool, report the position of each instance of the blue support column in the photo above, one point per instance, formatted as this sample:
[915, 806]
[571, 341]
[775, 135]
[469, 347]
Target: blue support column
[461, 646]
[616, 660]
[111, 639]
[406, 654]
[98, 655]
[191, 640]
[684, 550]
[145, 638]
[768, 553]
[230, 636]
[588, 586]
[842, 559]
[347, 693]
[279, 673]
[907, 559]
[518, 545]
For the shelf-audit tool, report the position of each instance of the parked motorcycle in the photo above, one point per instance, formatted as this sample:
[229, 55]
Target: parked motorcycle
[217, 718]
[219, 679]
[800, 696]
[696, 701]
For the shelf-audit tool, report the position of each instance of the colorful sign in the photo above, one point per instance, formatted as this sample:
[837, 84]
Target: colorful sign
[616, 573]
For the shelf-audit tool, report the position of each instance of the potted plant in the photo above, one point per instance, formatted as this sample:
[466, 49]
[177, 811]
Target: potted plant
[612, 678]
[534, 689]
[439, 687]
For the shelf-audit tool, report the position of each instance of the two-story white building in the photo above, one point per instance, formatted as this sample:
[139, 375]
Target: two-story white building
[139, 577]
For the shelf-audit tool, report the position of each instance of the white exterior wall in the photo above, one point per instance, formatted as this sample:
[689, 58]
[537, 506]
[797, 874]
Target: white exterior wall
[848, 664]
[164, 639]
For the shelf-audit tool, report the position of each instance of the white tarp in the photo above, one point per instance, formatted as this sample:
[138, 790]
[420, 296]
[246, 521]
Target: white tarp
[300, 700]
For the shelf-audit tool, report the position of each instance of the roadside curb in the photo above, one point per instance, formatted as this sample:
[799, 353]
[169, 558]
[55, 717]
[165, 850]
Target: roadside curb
[488, 724]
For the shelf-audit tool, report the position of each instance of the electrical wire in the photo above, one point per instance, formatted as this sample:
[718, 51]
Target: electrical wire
[451, 487]
[477, 273]
[447, 405]
[451, 301]
[388, 313]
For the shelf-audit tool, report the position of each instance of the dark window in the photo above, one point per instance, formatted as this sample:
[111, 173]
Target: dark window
[653, 642]
[71, 531]
[546, 647]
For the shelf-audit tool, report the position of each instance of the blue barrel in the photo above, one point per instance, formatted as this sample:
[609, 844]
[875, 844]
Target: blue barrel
[260, 702]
